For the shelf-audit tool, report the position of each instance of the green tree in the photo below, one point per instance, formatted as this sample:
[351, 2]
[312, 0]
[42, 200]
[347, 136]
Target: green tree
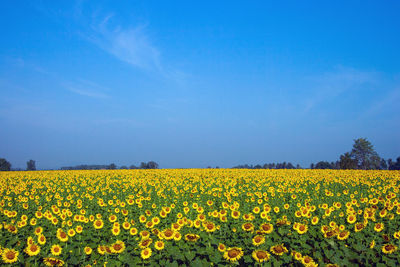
[364, 154]
[31, 165]
[346, 162]
[5, 165]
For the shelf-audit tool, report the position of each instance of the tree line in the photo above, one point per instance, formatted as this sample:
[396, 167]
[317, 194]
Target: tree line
[362, 156]
[31, 166]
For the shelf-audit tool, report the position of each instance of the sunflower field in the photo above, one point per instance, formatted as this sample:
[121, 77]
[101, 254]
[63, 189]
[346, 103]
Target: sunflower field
[200, 217]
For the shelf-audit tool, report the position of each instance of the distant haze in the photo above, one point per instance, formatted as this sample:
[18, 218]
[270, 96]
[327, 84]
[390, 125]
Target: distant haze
[197, 84]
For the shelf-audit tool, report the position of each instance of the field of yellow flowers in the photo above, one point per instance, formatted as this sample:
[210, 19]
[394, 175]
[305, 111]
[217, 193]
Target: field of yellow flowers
[200, 217]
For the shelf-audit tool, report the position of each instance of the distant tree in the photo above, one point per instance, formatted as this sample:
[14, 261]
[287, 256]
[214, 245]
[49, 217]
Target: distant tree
[394, 165]
[346, 162]
[112, 166]
[143, 165]
[258, 166]
[133, 167]
[298, 166]
[152, 165]
[323, 165]
[312, 166]
[31, 165]
[4, 165]
[365, 155]
[383, 165]
[123, 167]
[289, 166]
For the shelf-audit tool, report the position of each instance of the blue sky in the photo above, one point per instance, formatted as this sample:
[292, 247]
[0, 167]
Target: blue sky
[197, 84]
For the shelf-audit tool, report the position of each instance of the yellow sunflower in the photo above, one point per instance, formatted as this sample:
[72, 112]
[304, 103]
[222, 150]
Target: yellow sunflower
[56, 250]
[191, 237]
[10, 255]
[32, 250]
[145, 253]
[53, 261]
[159, 245]
[258, 240]
[388, 248]
[260, 255]
[279, 249]
[88, 250]
[233, 254]
[117, 247]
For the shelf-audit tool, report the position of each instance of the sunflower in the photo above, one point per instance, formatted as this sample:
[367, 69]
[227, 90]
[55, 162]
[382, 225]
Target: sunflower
[248, 227]
[117, 247]
[133, 231]
[221, 247]
[260, 255]
[88, 250]
[38, 230]
[314, 220]
[71, 232]
[279, 249]
[307, 261]
[79, 229]
[144, 243]
[145, 253]
[351, 218]
[112, 218]
[32, 250]
[98, 224]
[56, 250]
[168, 234]
[266, 228]
[258, 240]
[209, 227]
[233, 254]
[159, 245]
[9, 255]
[115, 231]
[102, 250]
[126, 225]
[235, 214]
[191, 237]
[379, 227]
[177, 236]
[388, 248]
[53, 262]
[358, 227]
[62, 236]
[41, 239]
[302, 228]
[343, 235]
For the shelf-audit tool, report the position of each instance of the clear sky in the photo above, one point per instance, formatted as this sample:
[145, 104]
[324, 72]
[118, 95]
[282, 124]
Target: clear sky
[197, 83]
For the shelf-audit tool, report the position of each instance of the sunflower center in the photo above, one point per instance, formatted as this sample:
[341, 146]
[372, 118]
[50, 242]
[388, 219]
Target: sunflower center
[279, 249]
[10, 255]
[117, 247]
[233, 253]
[261, 255]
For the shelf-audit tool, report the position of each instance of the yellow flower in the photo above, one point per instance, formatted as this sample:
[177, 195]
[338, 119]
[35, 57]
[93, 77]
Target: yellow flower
[32, 250]
[117, 247]
[388, 248]
[221, 247]
[260, 255]
[191, 237]
[56, 250]
[258, 240]
[53, 261]
[145, 253]
[98, 224]
[279, 249]
[159, 245]
[88, 250]
[10, 255]
[233, 254]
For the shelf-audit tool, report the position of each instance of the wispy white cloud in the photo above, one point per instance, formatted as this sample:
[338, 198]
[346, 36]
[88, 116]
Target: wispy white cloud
[332, 84]
[86, 88]
[131, 45]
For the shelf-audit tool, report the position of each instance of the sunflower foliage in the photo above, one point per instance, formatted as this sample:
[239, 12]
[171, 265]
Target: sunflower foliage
[200, 217]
